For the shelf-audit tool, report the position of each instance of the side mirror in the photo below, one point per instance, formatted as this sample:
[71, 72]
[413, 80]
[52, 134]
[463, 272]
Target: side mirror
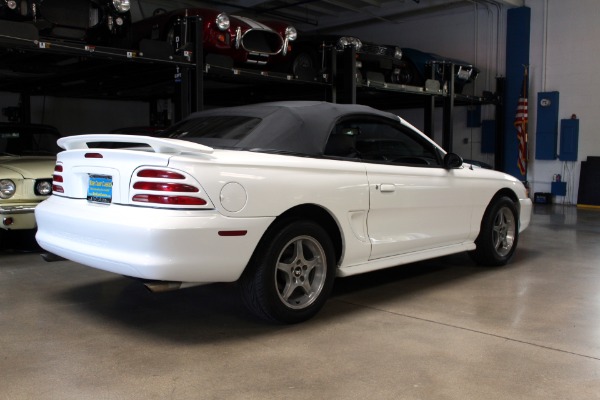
[452, 161]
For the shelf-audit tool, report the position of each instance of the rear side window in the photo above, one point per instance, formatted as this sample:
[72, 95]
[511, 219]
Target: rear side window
[213, 131]
[373, 140]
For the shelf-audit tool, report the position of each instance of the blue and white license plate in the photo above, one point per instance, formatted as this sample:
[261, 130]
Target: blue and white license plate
[100, 189]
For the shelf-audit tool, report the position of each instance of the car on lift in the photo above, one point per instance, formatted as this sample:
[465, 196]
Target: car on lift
[310, 59]
[27, 159]
[11, 10]
[281, 197]
[421, 62]
[99, 22]
[228, 40]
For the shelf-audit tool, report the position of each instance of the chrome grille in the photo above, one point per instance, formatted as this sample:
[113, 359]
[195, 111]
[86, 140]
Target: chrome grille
[387, 51]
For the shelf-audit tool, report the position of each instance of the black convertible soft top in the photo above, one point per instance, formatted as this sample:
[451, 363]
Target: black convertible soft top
[289, 126]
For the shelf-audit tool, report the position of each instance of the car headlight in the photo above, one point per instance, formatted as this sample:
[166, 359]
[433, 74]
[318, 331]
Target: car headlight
[222, 21]
[349, 41]
[43, 188]
[7, 189]
[121, 5]
[398, 53]
[291, 33]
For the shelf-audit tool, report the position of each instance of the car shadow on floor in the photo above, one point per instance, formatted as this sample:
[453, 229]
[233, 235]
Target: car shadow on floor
[215, 312]
[19, 241]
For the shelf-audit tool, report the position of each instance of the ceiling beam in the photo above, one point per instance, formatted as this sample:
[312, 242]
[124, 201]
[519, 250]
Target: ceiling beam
[376, 3]
[512, 3]
[342, 5]
[291, 5]
[388, 14]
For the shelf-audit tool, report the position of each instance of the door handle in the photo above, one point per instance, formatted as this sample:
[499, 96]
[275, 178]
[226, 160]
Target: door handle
[387, 187]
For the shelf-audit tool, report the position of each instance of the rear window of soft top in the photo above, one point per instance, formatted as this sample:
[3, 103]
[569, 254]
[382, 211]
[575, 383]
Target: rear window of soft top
[214, 131]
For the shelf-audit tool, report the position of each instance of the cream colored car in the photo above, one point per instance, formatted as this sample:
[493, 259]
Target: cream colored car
[27, 159]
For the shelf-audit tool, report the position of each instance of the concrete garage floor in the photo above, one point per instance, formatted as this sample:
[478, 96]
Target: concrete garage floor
[444, 329]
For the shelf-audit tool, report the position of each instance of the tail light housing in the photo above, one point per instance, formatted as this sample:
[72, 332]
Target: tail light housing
[57, 179]
[158, 187]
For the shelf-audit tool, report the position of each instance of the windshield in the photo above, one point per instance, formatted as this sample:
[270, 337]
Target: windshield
[215, 131]
[16, 142]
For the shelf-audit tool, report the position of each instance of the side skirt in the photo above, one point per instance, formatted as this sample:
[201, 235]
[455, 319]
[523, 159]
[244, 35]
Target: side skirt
[407, 258]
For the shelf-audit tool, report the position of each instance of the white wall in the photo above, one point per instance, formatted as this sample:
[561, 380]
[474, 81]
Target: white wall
[565, 55]
[471, 33]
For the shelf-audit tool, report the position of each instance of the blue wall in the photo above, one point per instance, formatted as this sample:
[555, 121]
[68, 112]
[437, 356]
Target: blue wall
[517, 55]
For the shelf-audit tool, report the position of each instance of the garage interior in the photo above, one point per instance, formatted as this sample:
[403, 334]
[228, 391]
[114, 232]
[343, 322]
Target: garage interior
[441, 329]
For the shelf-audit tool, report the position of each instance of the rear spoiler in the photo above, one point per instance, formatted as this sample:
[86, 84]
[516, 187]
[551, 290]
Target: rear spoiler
[159, 145]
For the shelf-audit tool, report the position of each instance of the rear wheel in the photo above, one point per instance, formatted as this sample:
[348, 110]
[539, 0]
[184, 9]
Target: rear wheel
[497, 240]
[291, 273]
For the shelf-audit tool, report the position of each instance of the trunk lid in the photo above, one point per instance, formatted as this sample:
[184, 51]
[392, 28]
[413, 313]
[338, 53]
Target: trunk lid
[106, 175]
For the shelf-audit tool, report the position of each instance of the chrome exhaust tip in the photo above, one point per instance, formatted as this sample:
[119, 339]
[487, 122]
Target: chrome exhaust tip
[50, 257]
[162, 286]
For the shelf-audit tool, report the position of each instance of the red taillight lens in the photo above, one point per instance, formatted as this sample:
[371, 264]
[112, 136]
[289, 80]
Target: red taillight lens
[165, 187]
[57, 178]
[156, 173]
[172, 192]
[169, 200]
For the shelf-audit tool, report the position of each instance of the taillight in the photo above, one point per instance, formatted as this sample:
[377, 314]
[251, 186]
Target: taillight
[58, 168]
[169, 200]
[165, 187]
[158, 173]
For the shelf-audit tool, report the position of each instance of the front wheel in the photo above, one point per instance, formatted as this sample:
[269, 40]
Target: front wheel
[291, 273]
[497, 240]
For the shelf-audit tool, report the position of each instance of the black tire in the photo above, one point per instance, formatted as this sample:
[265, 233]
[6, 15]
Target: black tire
[499, 234]
[291, 273]
[304, 66]
[405, 77]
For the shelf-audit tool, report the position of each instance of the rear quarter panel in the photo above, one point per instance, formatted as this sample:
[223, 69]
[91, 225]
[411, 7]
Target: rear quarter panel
[275, 184]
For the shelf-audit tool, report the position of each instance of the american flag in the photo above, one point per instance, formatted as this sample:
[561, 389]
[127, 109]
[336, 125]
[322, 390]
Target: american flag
[521, 119]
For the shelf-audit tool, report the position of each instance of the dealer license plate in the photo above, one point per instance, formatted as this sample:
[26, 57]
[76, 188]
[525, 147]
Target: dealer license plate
[100, 189]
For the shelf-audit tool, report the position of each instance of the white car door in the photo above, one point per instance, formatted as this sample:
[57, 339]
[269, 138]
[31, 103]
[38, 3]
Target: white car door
[415, 204]
[415, 208]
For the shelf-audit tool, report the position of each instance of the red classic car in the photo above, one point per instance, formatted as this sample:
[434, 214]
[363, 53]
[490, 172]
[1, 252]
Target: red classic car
[227, 40]
[11, 10]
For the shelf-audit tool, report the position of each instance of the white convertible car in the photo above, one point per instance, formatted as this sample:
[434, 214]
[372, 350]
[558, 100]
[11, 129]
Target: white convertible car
[282, 197]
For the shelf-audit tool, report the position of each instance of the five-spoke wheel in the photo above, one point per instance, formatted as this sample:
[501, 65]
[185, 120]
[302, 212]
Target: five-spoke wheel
[291, 273]
[499, 233]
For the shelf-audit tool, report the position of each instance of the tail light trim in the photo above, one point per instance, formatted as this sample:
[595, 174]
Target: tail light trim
[161, 186]
[57, 178]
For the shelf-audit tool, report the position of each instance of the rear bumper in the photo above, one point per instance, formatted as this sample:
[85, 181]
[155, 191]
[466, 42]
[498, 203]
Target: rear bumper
[148, 243]
[19, 216]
